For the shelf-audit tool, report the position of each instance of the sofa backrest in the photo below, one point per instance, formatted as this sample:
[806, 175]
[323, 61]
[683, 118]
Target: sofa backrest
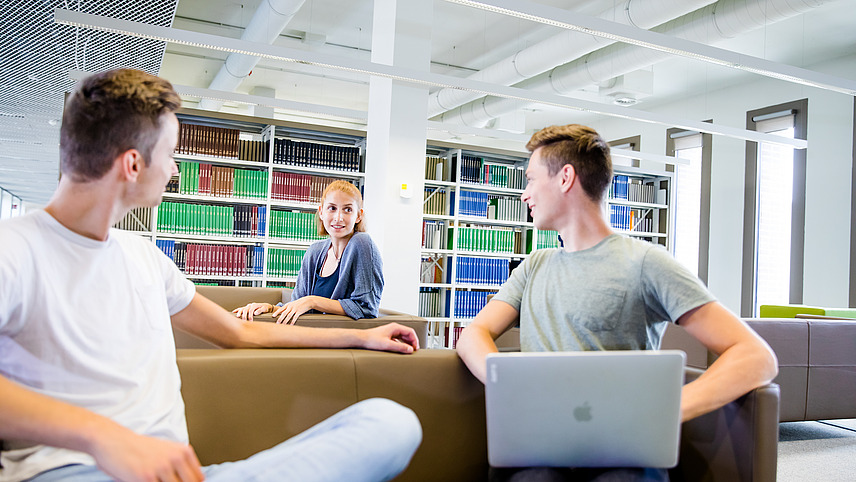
[231, 297]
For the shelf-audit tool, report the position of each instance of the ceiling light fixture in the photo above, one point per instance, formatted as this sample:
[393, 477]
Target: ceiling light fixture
[558, 17]
[214, 42]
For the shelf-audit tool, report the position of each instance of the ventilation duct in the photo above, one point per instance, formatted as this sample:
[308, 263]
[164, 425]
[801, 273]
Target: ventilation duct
[562, 48]
[714, 23]
[267, 23]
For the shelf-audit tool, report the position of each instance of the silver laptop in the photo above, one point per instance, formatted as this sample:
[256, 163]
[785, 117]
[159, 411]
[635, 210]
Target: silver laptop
[584, 409]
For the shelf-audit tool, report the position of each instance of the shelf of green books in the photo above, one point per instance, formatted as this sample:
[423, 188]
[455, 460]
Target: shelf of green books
[220, 160]
[290, 226]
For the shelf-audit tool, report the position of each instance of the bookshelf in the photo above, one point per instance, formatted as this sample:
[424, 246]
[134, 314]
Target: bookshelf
[240, 212]
[639, 204]
[475, 230]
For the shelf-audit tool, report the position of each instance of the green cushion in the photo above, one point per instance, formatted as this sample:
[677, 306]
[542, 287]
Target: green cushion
[841, 312]
[789, 311]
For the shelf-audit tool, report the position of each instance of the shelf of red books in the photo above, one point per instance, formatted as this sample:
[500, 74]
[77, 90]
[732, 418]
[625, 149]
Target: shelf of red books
[215, 260]
[302, 189]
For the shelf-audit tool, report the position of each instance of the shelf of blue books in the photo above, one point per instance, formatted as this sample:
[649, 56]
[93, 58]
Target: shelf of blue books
[475, 230]
[241, 209]
[639, 204]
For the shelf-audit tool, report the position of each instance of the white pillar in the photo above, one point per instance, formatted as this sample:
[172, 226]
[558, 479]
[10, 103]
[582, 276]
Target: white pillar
[395, 147]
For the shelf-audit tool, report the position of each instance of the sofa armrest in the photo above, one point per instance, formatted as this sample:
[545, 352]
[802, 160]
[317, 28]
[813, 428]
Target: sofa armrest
[737, 442]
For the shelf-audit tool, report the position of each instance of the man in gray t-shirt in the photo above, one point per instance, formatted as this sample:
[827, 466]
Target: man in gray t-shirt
[605, 292]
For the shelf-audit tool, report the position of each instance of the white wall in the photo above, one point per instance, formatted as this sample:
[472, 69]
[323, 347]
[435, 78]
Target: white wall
[828, 178]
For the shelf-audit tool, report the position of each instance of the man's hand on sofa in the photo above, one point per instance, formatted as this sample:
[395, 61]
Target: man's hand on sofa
[391, 337]
[252, 309]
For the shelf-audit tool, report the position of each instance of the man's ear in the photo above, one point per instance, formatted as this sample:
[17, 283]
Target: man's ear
[131, 163]
[567, 177]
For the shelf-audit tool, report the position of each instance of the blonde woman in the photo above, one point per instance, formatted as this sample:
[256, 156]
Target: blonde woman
[340, 275]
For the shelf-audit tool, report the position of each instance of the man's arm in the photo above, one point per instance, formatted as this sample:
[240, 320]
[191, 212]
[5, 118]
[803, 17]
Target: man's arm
[205, 319]
[121, 453]
[477, 339]
[745, 360]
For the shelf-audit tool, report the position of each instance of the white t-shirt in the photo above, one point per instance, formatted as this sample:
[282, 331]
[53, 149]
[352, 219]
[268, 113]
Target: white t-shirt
[88, 322]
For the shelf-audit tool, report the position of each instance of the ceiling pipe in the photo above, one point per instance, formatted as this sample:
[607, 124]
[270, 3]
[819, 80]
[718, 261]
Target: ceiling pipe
[563, 48]
[714, 23]
[267, 23]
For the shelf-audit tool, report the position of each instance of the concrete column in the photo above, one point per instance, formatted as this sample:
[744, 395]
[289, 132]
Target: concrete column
[395, 147]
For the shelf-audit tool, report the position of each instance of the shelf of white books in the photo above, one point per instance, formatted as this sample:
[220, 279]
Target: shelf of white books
[474, 186]
[635, 204]
[317, 171]
[431, 183]
[202, 198]
[440, 217]
[219, 160]
[492, 254]
[303, 206]
[209, 239]
[494, 222]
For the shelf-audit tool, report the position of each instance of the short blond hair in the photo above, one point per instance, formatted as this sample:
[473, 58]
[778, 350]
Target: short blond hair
[581, 147]
[347, 188]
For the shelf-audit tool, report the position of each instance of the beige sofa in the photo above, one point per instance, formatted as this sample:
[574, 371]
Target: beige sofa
[242, 401]
[230, 297]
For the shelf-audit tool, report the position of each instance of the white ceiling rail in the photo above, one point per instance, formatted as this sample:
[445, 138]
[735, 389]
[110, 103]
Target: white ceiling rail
[664, 43]
[716, 22]
[563, 48]
[214, 42]
[267, 23]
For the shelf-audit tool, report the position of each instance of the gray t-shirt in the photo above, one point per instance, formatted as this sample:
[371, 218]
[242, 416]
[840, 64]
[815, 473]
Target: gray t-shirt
[616, 295]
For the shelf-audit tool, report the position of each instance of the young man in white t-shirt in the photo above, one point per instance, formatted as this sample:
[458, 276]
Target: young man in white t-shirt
[603, 291]
[89, 387]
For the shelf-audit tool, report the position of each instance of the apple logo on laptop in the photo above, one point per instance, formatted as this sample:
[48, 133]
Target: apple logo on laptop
[582, 413]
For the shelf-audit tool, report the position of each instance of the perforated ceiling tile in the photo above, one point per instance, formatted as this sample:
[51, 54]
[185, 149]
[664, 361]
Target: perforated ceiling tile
[36, 56]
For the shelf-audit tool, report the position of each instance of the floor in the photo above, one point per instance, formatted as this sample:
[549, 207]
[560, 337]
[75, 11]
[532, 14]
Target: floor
[817, 451]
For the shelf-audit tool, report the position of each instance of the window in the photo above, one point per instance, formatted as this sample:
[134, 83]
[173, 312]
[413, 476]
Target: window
[10, 205]
[692, 198]
[775, 210]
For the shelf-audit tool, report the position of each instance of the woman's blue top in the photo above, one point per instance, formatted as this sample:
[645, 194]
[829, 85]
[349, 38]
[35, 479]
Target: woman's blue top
[324, 286]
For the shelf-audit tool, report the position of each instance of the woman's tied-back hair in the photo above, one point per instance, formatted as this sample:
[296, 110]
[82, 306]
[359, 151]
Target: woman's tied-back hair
[108, 114]
[349, 189]
[581, 147]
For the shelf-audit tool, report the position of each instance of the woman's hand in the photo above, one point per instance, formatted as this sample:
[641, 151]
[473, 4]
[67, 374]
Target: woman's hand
[289, 312]
[252, 309]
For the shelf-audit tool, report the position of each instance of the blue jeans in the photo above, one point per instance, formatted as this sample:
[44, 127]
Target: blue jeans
[368, 441]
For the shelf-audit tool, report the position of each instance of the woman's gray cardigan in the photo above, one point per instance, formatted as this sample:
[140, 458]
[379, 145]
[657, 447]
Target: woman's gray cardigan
[360, 275]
